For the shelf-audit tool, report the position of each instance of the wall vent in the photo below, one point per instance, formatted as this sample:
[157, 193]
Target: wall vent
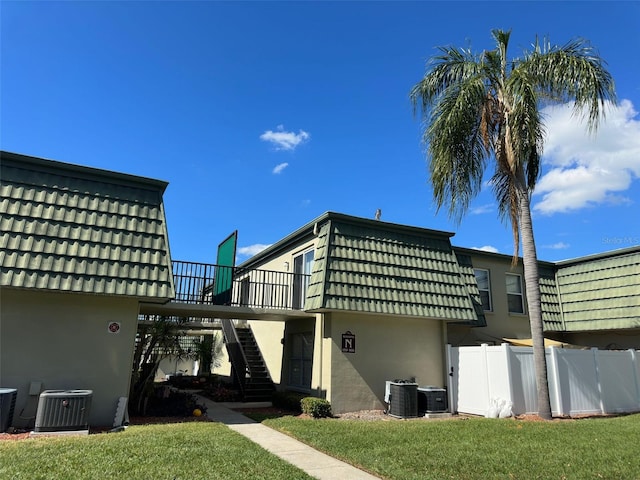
[63, 410]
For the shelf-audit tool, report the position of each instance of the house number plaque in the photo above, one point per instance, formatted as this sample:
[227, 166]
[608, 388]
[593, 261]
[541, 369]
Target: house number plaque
[348, 342]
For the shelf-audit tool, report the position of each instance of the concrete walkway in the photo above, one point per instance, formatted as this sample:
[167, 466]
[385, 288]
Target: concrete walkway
[313, 462]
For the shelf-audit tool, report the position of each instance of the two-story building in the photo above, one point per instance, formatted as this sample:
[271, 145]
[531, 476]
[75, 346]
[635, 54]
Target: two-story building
[335, 309]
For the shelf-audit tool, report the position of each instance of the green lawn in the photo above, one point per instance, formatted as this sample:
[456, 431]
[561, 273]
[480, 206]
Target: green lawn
[479, 448]
[414, 449]
[186, 451]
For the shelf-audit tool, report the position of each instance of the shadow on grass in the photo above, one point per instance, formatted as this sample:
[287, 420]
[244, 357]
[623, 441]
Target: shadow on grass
[261, 414]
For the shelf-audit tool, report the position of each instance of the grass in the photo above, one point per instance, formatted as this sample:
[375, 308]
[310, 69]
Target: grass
[183, 451]
[597, 448]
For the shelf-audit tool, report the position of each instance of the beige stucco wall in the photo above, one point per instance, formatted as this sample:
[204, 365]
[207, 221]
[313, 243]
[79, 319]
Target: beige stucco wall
[62, 340]
[269, 335]
[386, 349]
[500, 323]
[284, 262]
[172, 365]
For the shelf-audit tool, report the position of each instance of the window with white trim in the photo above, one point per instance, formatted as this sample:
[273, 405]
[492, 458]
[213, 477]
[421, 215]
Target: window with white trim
[515, 298]
[302, 265]
[484, 287]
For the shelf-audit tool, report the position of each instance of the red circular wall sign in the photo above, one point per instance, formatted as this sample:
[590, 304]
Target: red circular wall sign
[114, 327]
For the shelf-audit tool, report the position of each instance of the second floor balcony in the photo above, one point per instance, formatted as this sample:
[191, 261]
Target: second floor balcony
[207, 284]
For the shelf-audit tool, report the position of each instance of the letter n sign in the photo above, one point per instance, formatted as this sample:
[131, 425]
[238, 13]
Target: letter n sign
[348, 342]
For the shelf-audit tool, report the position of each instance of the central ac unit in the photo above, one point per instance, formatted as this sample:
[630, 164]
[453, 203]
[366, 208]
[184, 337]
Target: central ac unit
[7, 407]
[63, 410]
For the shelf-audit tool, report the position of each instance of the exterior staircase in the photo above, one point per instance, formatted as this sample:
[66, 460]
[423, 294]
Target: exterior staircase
[249, 370]
[258, 386]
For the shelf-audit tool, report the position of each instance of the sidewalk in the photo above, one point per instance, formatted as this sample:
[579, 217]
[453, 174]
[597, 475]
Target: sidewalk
[313, 462]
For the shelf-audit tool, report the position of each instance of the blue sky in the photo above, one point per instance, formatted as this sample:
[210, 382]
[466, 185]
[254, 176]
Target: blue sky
[264, 115]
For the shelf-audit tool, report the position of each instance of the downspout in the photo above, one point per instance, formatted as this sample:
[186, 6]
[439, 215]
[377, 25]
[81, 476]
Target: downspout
[445, 355]
[320, 371]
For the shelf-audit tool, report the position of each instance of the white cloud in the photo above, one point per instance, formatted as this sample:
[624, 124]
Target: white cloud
[252, 249]
[557, 246]
[486, 248]
[587, 170]
[283, 140]
[480, 209]
[280, 167]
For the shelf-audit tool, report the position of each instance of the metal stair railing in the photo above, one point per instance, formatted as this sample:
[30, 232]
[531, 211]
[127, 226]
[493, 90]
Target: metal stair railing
[236, 353]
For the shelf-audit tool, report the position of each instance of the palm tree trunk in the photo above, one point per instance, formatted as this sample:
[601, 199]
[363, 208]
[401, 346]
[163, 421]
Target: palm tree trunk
[532, 289]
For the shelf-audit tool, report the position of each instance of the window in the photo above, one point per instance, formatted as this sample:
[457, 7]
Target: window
[514, 293]
[301, 360]
[484, 286]
[302, 269]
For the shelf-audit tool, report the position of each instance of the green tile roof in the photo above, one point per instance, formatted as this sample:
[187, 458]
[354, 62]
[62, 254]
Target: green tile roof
[377, 267]
[600, 292]
[549, 299]
[466, 269]
[77, 229]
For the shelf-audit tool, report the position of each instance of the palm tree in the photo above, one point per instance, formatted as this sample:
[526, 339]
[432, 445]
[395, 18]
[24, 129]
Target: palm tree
[478, 107]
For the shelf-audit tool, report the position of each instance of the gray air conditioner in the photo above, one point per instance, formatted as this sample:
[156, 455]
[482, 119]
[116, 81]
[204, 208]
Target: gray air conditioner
[7, 407]
[63, 410]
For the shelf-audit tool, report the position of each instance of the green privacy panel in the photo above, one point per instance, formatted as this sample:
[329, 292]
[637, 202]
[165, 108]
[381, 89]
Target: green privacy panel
[223, 276]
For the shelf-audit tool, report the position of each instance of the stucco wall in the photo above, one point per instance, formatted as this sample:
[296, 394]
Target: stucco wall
[268, 335]
[500, 323]
[386, 349]
[62, 340]
[284, 261]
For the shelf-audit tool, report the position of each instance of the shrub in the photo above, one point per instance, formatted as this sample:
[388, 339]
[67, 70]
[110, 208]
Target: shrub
[288, 401]
[222, 393]
[316, 407]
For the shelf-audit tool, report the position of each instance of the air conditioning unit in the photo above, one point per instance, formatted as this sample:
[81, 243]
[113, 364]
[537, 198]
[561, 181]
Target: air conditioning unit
[402, 398]
[7, 407]
[432, 400]
[63, 410]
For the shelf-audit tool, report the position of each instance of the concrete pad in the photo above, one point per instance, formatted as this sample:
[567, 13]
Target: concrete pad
[438, 415]
[61, 433]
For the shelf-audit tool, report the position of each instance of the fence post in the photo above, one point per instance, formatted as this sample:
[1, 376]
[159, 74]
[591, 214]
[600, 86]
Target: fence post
[553, 365]
[596, 367]
[636, 374]
[506, 348]
[485, 369]
[452, 384]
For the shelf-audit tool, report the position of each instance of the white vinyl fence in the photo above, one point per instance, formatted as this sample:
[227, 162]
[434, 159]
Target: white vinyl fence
[580, 381]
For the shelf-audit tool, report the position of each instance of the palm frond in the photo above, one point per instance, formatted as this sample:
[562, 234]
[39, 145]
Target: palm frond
[456, 146]
[505, 191]
[574, 73]
[451, 67]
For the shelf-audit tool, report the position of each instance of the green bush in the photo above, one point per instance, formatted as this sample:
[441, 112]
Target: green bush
[288, 401]
[316, 407]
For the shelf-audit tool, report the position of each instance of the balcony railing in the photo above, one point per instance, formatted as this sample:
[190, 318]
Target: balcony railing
[219, 285]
